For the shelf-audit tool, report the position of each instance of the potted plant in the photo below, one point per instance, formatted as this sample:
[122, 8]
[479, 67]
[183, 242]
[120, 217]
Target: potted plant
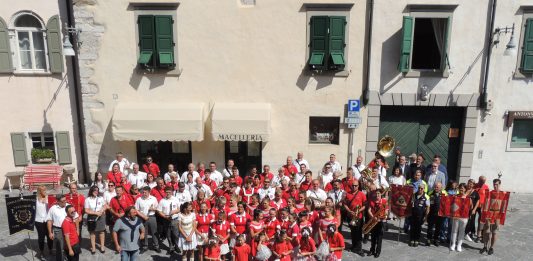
[42, 155]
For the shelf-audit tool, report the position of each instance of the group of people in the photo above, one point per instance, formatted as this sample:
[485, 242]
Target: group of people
[292, 214]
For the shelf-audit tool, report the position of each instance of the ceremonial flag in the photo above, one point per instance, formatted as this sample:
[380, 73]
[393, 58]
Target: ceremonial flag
[454, 206]
[495, 207]
[20, 213]
[401, 200]
[73, 200]
[52, 200]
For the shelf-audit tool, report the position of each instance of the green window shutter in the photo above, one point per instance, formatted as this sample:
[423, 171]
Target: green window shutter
[407, 40]
[146, 39]
[53, 40]
[337, 42]
[6, 64]
[63, 153]
[18, 144]
[318, 44]
[446, 61]
[165, 40]
[526, 65]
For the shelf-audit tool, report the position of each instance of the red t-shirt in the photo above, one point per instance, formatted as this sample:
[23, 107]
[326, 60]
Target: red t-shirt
[246, 194]
[151, 168]
[308, 246]
[354, 200]
[271, 227]
[77, 201]
[120, 205]
[115, 177]
[211, 183]
[70, 231]
[158, 193]
[293, 231]
[281, 248]
[284, 224]
[288, 170]
[221, 229]
[375, 206]
[347, 185]
[238, 180]
[212, 252]
[281, 203]
[305, 186]
[482, 191]
[336, 240]
[217, 210]
[241, 253]
[290, 193]
[239, 222]
[204, 222]
[196, 205]
[174, 185]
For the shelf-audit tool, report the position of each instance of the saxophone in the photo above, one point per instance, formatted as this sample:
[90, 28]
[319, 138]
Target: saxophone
[355, 217]
[380, 214]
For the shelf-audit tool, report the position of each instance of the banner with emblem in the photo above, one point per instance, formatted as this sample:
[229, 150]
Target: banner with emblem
[495, 207]
[401, 200]
[20, 213]
[454, 207]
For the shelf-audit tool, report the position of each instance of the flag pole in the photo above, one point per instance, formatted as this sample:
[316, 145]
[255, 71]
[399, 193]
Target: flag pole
[399, 229]
[29, 246]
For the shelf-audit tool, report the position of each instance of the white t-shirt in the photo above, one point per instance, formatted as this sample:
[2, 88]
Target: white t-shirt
[137, 179]
[167, 177]
[57, 214]
[183, 177]
[227, 173]
[194, 190]
[337, 196]
[122, 164]
[217, 177]
[357, 170]
[397, 180]
[318, 194]
[41, 211]
[109, 195]
[182, 197]
[298, 162]
[266, 192]
[152, 184]
[144, 205]
[167, 205]
[299, 178]
[326, 178]
[276, 180]
[94, 204]
[335, 166]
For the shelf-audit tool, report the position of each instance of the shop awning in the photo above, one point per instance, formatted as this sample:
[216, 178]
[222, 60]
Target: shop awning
[241, 121]
[158, 121]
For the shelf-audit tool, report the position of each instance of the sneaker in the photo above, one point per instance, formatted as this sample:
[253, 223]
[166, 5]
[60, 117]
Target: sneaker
[157, 250]
[411, 243]
[491, 251]
[459, 248]
[467, 238]
[483, 250]
[428, 242]
[415, 244]
[452, 247]
[477, 239]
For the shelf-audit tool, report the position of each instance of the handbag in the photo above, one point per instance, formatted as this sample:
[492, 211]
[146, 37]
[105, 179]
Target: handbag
[93, 218]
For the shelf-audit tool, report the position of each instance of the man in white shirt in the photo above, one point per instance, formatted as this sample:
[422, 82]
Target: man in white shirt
[137, 177]
[276, 180]
[199, 185]
[337, 193]
[266, 190]
[227, 171]
[317, 194]
[215, 174]
[122, 162]
[358, 167]
[190, 169]
[379, 180]
[168, 209]
[166, 177]
[147, 206]
[335, 165]
[300, 176]
[326, 176]
[299, 161]
[182, 195]
[55, 218]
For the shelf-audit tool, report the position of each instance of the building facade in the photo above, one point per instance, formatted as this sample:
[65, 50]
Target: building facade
[37, 85]
[192, 81]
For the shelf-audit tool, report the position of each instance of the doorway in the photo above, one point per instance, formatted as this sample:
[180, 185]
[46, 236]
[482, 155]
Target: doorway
[245, 154]
[166, 152]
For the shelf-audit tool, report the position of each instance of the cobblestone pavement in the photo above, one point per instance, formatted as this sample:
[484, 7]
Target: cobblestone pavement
[512, 243]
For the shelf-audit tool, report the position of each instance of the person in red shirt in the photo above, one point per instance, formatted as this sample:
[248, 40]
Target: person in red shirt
[335, 240]
[293, 230]
[354, 207]
[304, 186]
[347, 182]
[235, 177]
[241, 251]
[77, 200]
[212, 251]
[247, 192]
[200, 199]
[256, 226]
[307, 244]
[203, 222]
[278, 200]
[272, 225]
[119, 203]
[292, 192]
[253, 205]
[125, 184]
[266, 173]
[150, 167]
[208, 181]
[377, 209]
[481, 188]
[220, 206]
[289, 169]
[282, 248]
[72, 247]
[159, 191]
[174, 181]
[239, 221]
[284, 219]
[115, 175]
[201, 169]
[221, 229]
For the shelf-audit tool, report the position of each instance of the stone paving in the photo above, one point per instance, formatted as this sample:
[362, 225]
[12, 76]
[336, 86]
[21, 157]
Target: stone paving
[513, 242]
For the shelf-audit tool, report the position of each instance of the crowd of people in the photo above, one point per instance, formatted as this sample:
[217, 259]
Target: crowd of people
[288, 214]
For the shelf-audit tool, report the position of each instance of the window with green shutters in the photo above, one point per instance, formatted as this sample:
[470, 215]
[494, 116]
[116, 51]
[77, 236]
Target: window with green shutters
[526, 64]
[156, 41]
[327, 43]
[18, 145]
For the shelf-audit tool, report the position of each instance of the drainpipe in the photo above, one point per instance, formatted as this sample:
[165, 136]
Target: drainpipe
[366, 91]
[483, 101]
[77, 98]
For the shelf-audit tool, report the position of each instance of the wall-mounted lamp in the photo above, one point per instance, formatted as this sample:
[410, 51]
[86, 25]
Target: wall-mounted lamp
[511, 47]
[423, 94]
[68, 49]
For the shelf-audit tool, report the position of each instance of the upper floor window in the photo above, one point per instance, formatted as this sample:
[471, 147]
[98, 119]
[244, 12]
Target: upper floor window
[31, 46]
[156, 41]
[327, 43]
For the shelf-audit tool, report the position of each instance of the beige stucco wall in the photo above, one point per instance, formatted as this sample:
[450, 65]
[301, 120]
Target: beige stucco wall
[507, 93]
[227, 53]
[33, 103]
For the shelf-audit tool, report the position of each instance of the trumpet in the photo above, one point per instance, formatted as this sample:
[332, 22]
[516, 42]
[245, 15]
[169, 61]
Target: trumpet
[355, 217]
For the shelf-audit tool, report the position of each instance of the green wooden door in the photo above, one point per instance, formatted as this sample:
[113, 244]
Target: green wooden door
[424, 130]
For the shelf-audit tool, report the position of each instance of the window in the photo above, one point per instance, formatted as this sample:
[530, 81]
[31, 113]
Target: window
[526, 52]
[425, 44]
[522, 134]
[156, 41]
[324, 130]
[42, 140]
[327, 43]
[29, 33]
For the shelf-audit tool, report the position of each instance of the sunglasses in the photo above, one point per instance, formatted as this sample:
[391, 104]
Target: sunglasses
[111, 185]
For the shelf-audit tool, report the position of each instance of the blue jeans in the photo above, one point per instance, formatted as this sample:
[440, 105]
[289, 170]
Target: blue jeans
[129, 255]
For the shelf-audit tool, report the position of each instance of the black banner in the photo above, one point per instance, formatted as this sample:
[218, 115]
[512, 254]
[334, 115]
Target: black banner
[20, 213]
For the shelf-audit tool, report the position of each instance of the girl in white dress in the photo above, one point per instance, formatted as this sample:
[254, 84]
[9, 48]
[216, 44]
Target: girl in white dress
[187, 227]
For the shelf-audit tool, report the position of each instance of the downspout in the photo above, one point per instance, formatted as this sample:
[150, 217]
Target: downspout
[483, 101]
[366, 91]
[77, 97]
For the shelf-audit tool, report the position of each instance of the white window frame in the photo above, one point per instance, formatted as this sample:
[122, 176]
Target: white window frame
[510, 140]
[15, 42]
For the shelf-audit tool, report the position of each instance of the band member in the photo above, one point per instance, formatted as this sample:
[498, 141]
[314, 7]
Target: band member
[354, 206]
[434, 220]
[419, 214]
[168, 210]
[459, 224]
[378, 210]
[490, 230]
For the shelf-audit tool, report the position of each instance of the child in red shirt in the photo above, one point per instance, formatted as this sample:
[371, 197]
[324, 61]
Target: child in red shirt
[241, 251]
[212, 251]
[307, 244]
[282, 249]
[335, 240]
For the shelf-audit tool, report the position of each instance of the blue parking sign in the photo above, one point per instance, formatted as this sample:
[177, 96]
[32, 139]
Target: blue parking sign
[353, 105]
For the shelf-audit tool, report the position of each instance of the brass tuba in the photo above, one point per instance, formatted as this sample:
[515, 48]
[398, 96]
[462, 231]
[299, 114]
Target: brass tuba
[386, 146]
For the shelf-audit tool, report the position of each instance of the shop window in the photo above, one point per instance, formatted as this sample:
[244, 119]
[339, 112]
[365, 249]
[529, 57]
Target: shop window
[324, 130]
[522, 134]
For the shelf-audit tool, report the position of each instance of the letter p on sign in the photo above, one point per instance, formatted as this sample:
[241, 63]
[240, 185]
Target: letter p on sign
[353, 105]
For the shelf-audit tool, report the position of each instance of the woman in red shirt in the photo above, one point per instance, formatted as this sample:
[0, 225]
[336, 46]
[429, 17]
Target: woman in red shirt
[238, 222]
[247, 192]
[282, 248]
[272, 225]
[337, 211]
[257, 226]
[335, 240]
[212, 251]
[284, 219]
[307, 246]
[221, 230]
[293, 231]
[253, 205]
[325, 222]
[204, 220]
[278, 201]
[115, 175]
[200, 199]
[304, 222]
[233, 200]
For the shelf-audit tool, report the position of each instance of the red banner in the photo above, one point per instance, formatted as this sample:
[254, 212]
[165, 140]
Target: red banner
[401, 200]
[74, 201]
[454, 207]
[495, 207]
[51, 200]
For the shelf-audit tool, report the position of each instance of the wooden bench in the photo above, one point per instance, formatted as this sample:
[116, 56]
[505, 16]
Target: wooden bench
[35, 175]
